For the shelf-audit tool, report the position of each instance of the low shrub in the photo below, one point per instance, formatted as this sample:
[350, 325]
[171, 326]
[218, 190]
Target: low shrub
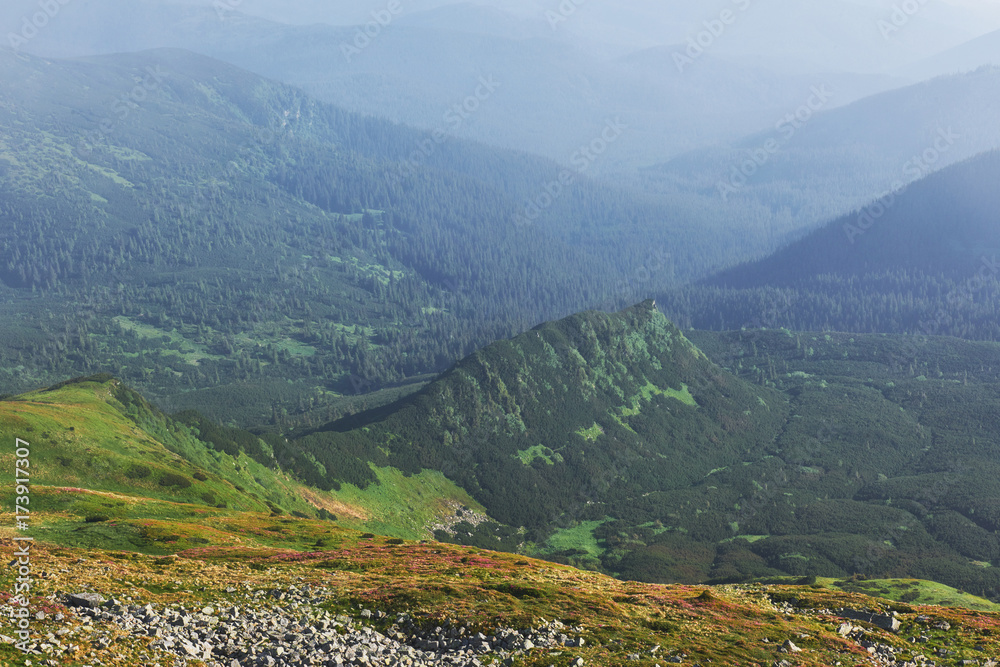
[138, 471]
[173, 479]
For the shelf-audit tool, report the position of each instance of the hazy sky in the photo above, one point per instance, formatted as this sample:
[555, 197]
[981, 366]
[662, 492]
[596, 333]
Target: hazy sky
[801, 35]
[976, 15]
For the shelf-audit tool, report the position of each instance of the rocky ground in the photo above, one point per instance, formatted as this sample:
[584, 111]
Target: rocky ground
[282, 627]
[287, 626]
[373, 601]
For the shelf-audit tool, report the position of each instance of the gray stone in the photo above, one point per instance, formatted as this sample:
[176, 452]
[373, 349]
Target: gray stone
[85, 600]
[790, 647]
[883, 621]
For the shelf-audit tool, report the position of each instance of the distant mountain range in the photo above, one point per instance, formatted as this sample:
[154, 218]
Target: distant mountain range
[976, 53]
[920, 260]
[945, 224]
[815, 164]
[419, 66]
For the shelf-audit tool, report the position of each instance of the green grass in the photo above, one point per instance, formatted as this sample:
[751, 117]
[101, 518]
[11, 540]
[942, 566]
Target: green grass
[403, 506]
[591, 434]
[749, 538]
[188, 351]
[117, 463]
[912, 591]
[529, 455]
[579, 537]
[646, 394]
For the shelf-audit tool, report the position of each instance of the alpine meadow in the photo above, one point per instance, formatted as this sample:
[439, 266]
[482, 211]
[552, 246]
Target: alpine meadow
[510, 333]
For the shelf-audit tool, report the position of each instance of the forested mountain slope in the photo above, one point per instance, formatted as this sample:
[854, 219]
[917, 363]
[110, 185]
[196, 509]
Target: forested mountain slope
[574, 419]
[941, 225]
[920, 260]
[610, 441]
[186, 225]
[605, 440]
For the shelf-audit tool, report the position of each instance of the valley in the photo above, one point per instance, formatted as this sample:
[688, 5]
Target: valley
[501, 333]
[201, 522]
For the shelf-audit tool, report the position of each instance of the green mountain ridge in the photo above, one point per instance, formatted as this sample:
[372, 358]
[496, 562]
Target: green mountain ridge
[573, 420]
[610, 441]
[943, 224]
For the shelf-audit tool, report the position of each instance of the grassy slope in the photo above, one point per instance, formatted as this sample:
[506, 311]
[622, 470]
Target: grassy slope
[727, 625]
[244, 546]
[914, 591]
[99, 451]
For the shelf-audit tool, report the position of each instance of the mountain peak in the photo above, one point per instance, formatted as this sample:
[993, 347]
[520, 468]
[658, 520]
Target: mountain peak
[640, 408]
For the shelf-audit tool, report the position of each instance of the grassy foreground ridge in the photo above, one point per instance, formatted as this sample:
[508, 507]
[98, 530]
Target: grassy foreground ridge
[436, 583]
[139, 535]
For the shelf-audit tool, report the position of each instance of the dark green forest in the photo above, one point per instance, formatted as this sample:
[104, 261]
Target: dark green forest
[612, 442]
[224, 242]
[925, 260]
